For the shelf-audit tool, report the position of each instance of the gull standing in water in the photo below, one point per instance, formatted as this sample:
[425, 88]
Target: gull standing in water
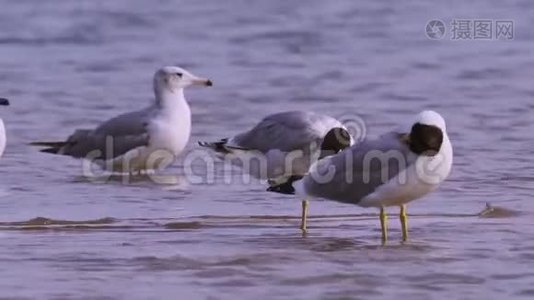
[3, 101]
[130, 142]
[284, 145]
[392, 170]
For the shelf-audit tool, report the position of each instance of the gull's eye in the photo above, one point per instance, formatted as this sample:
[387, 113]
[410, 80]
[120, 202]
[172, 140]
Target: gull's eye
[179, 74]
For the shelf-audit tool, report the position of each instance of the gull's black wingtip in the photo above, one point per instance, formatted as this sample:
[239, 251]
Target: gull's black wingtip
[285, 187]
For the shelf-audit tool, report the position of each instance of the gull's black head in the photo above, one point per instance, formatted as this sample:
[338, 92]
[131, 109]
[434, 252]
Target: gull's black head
[4, 101]
[425, 139]
[335, 140]
[427, 134]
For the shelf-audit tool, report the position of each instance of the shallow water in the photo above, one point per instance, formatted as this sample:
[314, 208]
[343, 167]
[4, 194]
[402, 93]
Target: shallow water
[72, 64]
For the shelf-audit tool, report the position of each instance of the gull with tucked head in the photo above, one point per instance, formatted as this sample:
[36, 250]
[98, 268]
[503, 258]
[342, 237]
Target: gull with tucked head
[132, 141]
[283, 146]
[392, 170]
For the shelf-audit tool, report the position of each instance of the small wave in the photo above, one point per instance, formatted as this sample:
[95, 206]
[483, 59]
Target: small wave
[183, 225]
[46, 221]
[39, 41]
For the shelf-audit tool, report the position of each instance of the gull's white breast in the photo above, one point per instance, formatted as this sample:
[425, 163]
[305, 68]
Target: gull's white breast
[2, 137]
[414, 182]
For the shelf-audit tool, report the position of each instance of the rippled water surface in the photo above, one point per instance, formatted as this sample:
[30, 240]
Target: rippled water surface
[67, 64]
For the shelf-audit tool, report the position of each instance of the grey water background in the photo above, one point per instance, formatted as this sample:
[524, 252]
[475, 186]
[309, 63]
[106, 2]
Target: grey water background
[69, 64]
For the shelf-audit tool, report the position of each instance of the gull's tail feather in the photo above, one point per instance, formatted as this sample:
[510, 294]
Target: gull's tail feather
[69, 146]
[285, 187]
[50, 147]
[221, 146]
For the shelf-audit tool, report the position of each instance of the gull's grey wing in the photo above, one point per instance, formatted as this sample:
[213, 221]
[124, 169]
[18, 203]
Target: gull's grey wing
[360, 170]
[132, 123]
[89, 144]
[111, 139]
[286, 131]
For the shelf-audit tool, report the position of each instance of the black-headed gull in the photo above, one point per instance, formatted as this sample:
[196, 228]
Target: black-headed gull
[392, 170]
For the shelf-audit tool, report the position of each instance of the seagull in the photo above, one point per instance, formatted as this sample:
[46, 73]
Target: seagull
[134, 142]
[392, 170]
[3, 101]
[284, 145]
